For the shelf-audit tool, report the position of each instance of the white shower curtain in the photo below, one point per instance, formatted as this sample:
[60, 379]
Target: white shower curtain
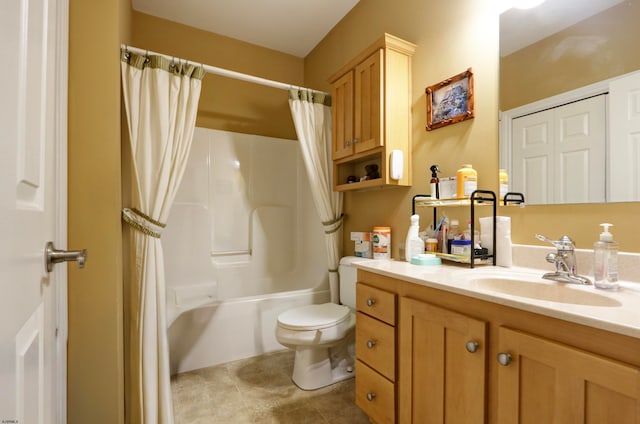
[161, 101]
[311, 113]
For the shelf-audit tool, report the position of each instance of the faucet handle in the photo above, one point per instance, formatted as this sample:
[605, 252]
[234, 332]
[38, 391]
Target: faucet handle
[564, 244]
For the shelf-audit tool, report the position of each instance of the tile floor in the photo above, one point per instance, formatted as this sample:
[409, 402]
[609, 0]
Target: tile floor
[259, 391]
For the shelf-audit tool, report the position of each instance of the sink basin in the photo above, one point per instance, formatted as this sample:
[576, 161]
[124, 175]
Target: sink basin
[548, 291]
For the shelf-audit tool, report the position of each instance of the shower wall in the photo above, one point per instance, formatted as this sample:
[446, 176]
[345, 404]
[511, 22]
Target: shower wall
[242, 233]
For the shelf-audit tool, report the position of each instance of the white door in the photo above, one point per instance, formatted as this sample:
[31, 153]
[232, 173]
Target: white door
[560, 153]
[580, 151]
[533, 151]
[624, 145]
[33, 325]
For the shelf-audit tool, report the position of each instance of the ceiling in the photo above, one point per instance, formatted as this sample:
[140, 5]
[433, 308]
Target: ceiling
[522, 27]
[290, 26]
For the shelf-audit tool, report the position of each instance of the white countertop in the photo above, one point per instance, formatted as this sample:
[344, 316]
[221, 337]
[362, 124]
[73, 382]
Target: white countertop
[525, 289]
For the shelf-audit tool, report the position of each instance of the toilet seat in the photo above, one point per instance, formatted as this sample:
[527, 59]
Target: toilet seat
[314, 317]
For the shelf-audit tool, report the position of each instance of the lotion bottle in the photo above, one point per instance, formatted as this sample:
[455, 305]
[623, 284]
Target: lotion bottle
[414, 245]
[605, 260]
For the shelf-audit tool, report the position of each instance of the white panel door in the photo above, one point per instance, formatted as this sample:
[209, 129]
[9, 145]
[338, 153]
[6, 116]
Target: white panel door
[624, 146]
[32, 328]
[533, 150]
[560, 153]
[580, 151]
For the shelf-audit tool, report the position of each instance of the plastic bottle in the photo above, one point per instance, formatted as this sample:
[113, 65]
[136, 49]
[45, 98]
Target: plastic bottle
[454, 232]
[435, 182]
[466, 181]
[605, 260]
[504, 183]
[414, 245]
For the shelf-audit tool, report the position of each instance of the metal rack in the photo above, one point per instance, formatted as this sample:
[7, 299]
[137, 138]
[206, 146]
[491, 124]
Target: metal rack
[477, 198]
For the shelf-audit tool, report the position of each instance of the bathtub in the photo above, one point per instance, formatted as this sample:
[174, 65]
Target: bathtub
[243, 243]
[232, 329]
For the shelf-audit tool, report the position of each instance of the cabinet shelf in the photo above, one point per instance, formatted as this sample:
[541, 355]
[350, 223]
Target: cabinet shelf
[477, 198]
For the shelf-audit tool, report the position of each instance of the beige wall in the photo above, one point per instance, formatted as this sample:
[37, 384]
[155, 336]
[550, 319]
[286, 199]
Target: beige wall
[225, 103]
[451, 36]
[590, 51]
[95, 356]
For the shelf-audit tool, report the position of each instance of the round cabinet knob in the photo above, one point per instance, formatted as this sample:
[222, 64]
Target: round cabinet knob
[371, 344]
[371, 396]
[472, 346]
[504, 358]
[371, 302]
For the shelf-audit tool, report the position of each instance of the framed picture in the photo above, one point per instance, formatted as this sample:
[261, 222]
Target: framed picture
[450, 101]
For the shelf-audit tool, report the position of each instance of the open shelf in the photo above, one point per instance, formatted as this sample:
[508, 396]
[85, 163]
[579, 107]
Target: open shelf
[477, 198]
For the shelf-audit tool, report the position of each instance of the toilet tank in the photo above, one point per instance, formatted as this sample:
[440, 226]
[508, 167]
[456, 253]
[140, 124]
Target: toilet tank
[348, 278]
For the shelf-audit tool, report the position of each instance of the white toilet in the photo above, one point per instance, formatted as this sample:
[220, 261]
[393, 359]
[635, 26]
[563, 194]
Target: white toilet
[323, 336]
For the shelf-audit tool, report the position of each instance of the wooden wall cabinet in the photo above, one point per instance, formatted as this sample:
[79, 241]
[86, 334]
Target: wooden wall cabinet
[465, 360]
[371, 114]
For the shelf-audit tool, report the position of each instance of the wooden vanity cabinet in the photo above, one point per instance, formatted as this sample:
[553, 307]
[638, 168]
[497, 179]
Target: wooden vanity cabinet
[376, 353]
[525, 367]
[371, 114]
[541, 381]
[442, 359]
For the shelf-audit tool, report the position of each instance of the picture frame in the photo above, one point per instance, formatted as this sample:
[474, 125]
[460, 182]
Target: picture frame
[450, 101]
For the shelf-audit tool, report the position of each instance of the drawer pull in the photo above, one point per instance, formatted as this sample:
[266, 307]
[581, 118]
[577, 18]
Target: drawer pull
[371, 302]
[371, 396]
[504, 359]
[371, 344]
[472, 346]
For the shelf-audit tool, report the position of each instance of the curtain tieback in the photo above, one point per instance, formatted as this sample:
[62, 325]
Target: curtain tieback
[142, 222]
[334, 225]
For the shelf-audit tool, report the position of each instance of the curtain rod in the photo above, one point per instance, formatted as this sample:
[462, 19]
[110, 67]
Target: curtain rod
[225, 72]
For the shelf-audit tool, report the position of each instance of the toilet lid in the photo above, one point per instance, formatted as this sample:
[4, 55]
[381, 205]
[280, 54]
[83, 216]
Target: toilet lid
[314, 317]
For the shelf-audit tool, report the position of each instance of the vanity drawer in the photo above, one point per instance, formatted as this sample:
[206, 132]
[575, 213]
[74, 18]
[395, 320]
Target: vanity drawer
[377, 303]
[375, 345]
[375, 395]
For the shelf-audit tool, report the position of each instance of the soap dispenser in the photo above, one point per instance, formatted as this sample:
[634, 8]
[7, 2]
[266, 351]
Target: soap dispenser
[414, 245]
[435, 182]
[605, 260]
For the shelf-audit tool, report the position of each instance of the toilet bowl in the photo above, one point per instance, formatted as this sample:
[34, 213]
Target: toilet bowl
[323, 335]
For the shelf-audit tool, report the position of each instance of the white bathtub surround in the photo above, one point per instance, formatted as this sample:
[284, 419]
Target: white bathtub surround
[161, 102]
[531, 256]
[243, 243]
[311, 114]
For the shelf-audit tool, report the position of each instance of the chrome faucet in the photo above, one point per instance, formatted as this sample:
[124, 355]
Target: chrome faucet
[565, 261]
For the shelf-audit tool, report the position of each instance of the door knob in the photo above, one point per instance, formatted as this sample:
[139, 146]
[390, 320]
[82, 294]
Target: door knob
[472, 346]
[504, 358]
[53, 256]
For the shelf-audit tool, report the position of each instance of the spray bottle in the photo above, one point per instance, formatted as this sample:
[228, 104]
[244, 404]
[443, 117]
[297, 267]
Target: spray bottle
[414, 245]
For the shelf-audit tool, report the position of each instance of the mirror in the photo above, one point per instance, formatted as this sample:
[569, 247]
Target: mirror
[576, 47]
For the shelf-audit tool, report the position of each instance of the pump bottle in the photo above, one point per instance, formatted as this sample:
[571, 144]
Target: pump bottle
[605, 260]
[414, 245]
[435, 182]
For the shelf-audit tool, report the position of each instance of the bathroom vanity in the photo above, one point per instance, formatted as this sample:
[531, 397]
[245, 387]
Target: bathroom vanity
[448, 344]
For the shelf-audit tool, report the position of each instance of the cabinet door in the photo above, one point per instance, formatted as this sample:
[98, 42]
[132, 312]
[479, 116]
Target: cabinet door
[547, 382]
[442, 365]
[369, 103]
[342, 116]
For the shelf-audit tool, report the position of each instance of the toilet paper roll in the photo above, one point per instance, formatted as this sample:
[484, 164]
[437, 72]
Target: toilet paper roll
[504, 256]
